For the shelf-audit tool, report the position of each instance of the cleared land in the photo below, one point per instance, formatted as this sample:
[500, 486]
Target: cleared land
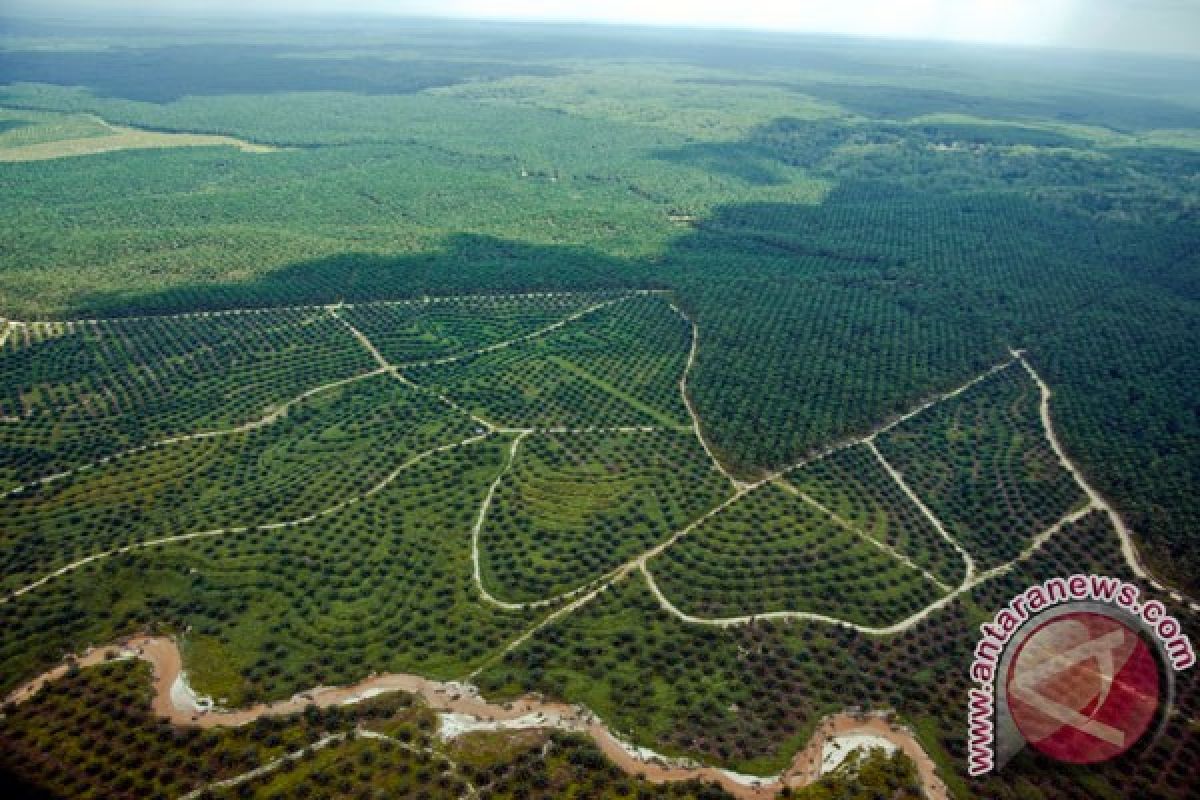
[43, 136]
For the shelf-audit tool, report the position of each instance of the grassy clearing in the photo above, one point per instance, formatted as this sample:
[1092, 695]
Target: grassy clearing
[123, 139]
[21, 128]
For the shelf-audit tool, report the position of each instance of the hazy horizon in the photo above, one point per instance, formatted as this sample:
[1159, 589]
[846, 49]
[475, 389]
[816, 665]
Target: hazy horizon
[1166, 27]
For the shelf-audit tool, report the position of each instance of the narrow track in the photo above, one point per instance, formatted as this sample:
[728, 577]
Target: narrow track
[272, 416]
[1128, 546]
[406, 301]
[384, 367]
[215, 532]
[899, 480]
[687, 401]
[477, 529]
[844, 523]
[883, 630]
[540, 332]
[460, 699]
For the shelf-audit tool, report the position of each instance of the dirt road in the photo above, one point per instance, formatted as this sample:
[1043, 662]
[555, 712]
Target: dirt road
[176, 705]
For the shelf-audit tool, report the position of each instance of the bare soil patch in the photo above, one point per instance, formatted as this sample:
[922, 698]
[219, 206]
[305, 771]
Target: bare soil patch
[123, 139]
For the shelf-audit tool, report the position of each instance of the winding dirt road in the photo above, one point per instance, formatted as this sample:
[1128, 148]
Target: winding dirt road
[1128, 547]
[384, 367]
[687, 400]
[462, 699]
[528, 712]
[477, 529]
[290, 523]
[971, 579]
[275, 414]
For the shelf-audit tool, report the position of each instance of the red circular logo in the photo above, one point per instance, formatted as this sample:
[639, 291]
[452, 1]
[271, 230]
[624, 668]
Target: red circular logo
[1083, 688]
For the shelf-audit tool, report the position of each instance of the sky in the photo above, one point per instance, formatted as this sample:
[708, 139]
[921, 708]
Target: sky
[1163, 26]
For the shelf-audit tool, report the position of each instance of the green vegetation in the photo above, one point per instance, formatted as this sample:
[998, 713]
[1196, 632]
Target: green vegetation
[329, 450]
[560, 766]
[93, 734]
[981, 462]
[849, 229]
[574, 506]
[236, 70]
[852, 227]
[380, 483]
[383, 584]
[772, 551]
[619, 366]
[452, 327]
[852, 484]
[24, 128]
[748, 695]
[73, 394]
[865, 777]
[363, 765]
[1119, 416]
[39, 136]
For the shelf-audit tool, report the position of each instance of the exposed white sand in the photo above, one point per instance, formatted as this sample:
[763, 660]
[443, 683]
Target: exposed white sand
[749, 780]
[364, 695]
[175, 701]
[185, 699]
[454, 725]
[837, 749]
[648, 756]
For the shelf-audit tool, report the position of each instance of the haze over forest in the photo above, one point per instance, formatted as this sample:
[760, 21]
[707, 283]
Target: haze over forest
[1158, 26]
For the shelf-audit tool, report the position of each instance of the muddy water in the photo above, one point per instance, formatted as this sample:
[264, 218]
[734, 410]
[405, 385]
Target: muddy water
[181, 709]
